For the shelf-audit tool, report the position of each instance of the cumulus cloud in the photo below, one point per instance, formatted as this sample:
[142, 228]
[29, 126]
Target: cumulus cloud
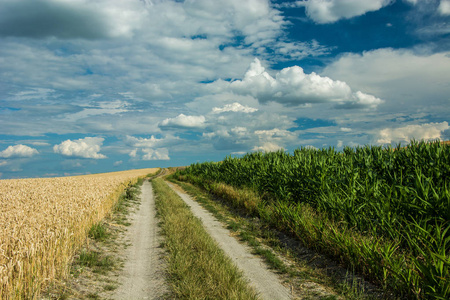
[293, 87]
[270, 139]
[273, 133]
[183, 121]
[152, 142]
[88, 147]
[18, 151]
[329, 11]
[155, 154]
[429, 131]
[401, 75]
[133, 153]
[268, 147]
[444, 7]
[234, 107]
[151, 148]
[240, 139]
[235, 138]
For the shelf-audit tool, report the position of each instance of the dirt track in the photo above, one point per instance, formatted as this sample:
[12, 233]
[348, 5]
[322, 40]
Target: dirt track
[142, 276]
[265, 282]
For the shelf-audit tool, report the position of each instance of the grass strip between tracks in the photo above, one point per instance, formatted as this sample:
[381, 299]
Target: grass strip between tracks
[198, 268]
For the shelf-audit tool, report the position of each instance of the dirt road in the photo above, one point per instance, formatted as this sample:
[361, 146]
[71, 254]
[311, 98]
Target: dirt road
[142, 276]
[266, 283]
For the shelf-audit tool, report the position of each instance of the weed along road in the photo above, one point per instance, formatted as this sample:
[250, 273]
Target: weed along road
[142, 276]
[265, 282]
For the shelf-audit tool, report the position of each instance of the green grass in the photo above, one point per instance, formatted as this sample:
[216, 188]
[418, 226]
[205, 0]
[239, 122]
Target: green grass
[99, 232]
[110, 287]
[127, 200]
[197, 267]
[96, 261]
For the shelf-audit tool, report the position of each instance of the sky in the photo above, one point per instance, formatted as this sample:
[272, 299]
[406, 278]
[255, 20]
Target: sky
[89, 86]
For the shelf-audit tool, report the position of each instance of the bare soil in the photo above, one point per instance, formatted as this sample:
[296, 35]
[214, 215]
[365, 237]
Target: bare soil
[142, 276]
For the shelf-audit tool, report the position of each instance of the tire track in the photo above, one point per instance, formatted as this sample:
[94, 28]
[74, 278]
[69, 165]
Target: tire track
[143, 274]
[266, 283]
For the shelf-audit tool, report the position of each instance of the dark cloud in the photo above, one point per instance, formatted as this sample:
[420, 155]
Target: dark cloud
[44, 18]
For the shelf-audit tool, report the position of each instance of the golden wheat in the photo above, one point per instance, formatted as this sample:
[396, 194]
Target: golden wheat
[43, 221]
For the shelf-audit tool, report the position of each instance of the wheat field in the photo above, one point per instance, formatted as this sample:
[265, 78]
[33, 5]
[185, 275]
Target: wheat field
[43, 221]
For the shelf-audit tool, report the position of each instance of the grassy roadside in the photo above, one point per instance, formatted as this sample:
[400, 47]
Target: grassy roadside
[313, 276]
[197, 267]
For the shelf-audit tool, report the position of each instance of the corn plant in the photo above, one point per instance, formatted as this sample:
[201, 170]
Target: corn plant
[398, 196]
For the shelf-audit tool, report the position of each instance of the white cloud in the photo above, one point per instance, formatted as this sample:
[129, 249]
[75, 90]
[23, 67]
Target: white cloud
[444, 7]
[155, 52]
[151, 148]
[239, 153]
[117, 163]
[235, 139]
[156, 154]
[273, 133]
[293, 87]
[138, 144]
[209, 135]
[361, 100]
[18, 151]
[133, 153]
[239, 131]
[234, 107]
[402, 77]
[85, 148]
[300, 50]
[430, 131]
[217, 99]
[33, 93]
[38, 143]
[329, 11]
[268, 147]
[98, 108]
[183, 121]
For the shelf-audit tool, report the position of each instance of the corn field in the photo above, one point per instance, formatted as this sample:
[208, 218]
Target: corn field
[44, 221]
[387, 210]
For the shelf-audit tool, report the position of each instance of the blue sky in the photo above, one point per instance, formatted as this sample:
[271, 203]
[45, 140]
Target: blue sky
[108, 85]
